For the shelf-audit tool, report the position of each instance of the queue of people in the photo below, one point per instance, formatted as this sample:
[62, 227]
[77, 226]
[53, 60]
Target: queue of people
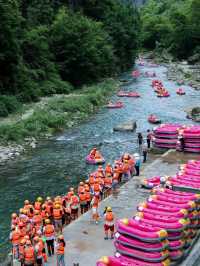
[36, 231]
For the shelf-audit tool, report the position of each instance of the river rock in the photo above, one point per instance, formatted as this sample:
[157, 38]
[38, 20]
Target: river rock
[194, 114]
[126, 126]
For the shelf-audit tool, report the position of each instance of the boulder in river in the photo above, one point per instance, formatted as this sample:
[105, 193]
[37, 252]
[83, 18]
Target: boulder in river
[126, 126]
[194, 114]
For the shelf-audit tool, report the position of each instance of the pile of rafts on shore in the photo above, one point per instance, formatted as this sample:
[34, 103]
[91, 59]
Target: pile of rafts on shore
[168, 136]
[161, 232]
[159, 88]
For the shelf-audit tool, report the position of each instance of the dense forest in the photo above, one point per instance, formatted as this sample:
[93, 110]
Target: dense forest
[172, 25]
[56, 46]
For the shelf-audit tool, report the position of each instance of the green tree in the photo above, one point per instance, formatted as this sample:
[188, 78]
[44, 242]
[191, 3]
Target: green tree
[81, 47]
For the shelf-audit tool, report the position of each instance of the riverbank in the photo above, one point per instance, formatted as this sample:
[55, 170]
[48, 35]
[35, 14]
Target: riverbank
[21, 132]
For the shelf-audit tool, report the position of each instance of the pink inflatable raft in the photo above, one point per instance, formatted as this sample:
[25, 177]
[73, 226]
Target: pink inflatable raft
[142, 255]
[90, 160]
[178, 215]
[128, 94]
[162, 206]
[115, 105]
[178, 226]
[189, 205]
[120, 260]
[141, 245]
[180, 91]
[173, 199]
[140, 230]
[177, 194]
[151, 182]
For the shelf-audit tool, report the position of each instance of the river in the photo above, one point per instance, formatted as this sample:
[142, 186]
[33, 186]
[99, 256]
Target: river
[58, 163]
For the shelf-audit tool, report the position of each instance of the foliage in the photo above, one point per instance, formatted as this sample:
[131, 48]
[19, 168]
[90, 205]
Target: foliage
[172, 25]
[82, 50]
[8, 104]
[58, 111]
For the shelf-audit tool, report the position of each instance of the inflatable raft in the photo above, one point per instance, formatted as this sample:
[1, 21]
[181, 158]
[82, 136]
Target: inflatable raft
[120, 260]
[180, 92]
[115, 105]
[153, 119]
[142, 255]
[128, 94]
[90, 160]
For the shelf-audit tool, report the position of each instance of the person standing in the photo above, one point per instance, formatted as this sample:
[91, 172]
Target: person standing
[60, 251]
[49, 233]
[144, 154]
[140, 142]
[109, 223]
[149, 136]
[137, 165]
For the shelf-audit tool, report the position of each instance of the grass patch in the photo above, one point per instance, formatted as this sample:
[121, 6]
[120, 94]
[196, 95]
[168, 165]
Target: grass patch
[59, 113]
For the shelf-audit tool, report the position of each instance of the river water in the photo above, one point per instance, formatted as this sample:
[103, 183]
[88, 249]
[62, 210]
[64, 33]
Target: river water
[58, 163]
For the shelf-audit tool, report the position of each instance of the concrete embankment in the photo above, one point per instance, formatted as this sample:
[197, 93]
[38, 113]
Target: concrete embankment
[85, 242]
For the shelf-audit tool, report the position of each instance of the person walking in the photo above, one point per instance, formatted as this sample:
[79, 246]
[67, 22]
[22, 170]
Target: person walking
[60, 251]
[144, 151]
[149, 136]
[137, 164]
[140, 142]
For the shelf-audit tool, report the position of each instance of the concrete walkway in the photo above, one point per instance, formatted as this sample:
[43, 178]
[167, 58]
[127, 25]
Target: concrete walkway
[85, 242]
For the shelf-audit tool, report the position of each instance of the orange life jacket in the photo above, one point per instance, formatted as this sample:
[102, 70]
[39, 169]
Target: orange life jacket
[60, 249]
[97, 155]
[22, 232]
[82, 197]
[44, 214]
[95, 202]
[37, 205]
[109, 217]
[57, 214]
[49, 230]
[108, 182]
[81, 189]
[91, 180]
[39, 247]
[108, 169]
[126, 167]
[97, 188]
[37, 219]
[49, 209]
[16, 236]
[29, 254]
[88, 196]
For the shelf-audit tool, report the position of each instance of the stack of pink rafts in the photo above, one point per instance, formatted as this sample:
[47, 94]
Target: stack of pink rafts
[163, 229]
[168, 135]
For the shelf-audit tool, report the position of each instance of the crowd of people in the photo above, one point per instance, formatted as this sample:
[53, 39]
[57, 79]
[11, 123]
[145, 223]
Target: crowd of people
[38, 226]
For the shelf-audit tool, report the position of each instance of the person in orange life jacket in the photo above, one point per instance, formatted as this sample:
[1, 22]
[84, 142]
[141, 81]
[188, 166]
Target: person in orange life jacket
[21, 251]
[57, 215]
[14, 219]
[44, 213]
[49, 208]
[126, 170]
[74, 204]
[83, 202]
[100, 172]
[108, 184]
[67, 210]
[108, 170]
[49, 233]
[38, 203]
[22, 229]
[29, 254]
[109, 223]
[60, 251]
[38, 246]
[45, 258]
[95, 205]
[81, 187]
[88, 197]
[15, 237]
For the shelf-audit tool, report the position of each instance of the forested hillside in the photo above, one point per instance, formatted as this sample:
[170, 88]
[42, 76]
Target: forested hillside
[173, 25]
[55, 46]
